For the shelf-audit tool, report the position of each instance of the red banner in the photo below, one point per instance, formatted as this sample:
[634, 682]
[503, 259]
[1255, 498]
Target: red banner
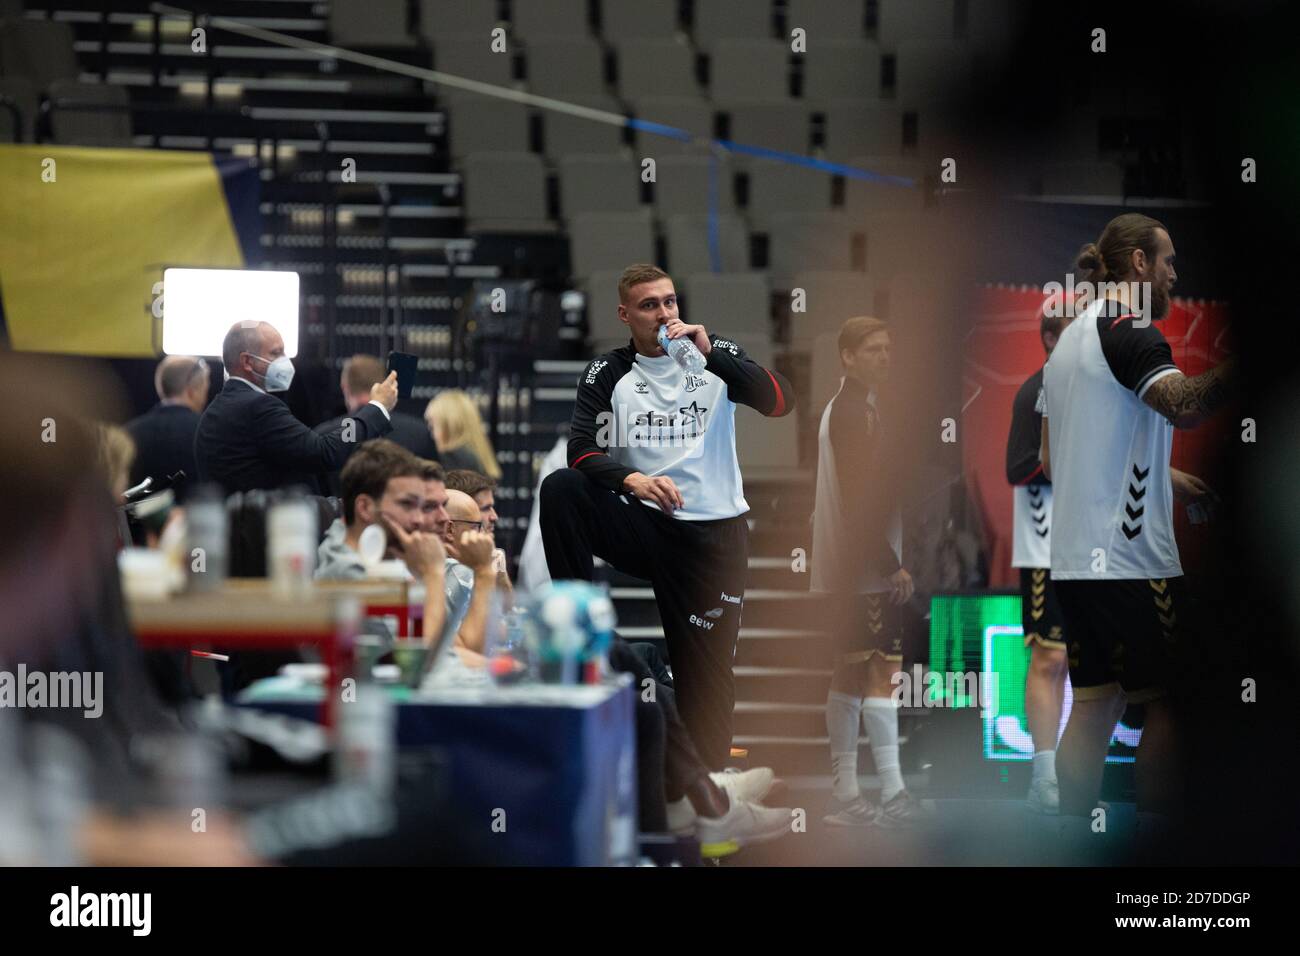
[1003, 349]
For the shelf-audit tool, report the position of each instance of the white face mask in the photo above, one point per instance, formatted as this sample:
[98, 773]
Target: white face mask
[279, 374]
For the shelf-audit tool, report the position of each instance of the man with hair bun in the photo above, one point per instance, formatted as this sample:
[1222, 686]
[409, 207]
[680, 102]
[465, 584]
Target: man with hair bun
[1112, 399]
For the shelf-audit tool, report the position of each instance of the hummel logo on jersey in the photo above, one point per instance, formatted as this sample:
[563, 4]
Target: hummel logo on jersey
[1037, 510]
[729, 599]
[642, 388]
[1132, 507]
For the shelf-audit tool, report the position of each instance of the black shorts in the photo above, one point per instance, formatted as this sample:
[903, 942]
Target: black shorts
[865, 625]
[1040, 609]
[1122, 634]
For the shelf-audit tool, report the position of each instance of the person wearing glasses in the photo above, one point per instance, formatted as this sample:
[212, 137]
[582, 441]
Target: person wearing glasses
[471, 576]
[164, 435]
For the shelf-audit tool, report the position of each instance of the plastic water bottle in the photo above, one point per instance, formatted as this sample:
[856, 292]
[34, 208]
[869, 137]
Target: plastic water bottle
[206, 540]
[683, 351]
[366, 745]
[291, 546]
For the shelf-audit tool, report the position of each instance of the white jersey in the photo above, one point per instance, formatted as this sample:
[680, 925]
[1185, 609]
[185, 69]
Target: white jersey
[1113, 498]
[833, 540]
[644, 413]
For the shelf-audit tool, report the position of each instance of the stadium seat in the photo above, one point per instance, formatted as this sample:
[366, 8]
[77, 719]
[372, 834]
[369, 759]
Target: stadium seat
[739, 303]
[480, 124]
[776, 188]
[682, 185]
[781, 124]
[655, 67]
[563, 66]
[899, 21]
[855, 130]
[441, 17]
[748, 70]
[692, 114]
[930, 73]
[829, 299]
[505, 192]
[21, 92]
[375, 23]
[1083, 179]
[599, 184]
[843, 19]
[834, 69]
[826, 368]
[610, 240]
[864, 197]
[552, 18]
[727, 18]
[565, 135]
[651, 19]
[109, 125]
[993, 25]
[797, 242]
[602, 309]
[472, 56]
[897, 241]
[688, 243]
[40, 50]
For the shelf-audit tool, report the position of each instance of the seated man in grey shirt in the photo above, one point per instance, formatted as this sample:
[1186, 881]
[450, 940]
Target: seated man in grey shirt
[383, 484]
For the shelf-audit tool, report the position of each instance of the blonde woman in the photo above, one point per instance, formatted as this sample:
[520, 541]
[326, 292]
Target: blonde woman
[458, 432]
[115, 453]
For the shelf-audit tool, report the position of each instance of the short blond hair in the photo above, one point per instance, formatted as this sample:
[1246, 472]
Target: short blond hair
[636, 274]
[855, 331]
[360, 372]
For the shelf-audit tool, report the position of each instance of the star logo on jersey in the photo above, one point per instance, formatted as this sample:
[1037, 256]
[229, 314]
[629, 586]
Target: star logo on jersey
[692, 414]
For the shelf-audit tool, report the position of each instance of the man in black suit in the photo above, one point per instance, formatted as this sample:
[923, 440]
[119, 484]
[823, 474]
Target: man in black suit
[164, 435]
[248, 439]
[360, 374]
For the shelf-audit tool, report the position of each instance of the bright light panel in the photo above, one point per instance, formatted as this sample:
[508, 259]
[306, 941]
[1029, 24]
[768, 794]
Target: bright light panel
[200, 306]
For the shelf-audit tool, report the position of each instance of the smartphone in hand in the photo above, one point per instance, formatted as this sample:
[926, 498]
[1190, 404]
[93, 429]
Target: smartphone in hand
[405, 365]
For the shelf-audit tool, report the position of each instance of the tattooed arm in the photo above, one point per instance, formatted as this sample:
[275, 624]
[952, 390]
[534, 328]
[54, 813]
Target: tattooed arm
[1187, 402]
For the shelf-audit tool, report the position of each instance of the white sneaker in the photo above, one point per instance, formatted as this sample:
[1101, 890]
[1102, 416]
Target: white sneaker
[681, 817]
[750, 786]
[744, 824]
[1045, 797]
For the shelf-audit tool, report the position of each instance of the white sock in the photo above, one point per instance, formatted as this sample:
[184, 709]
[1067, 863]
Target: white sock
[1044, 766]
[880, 720]
[842, 727]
